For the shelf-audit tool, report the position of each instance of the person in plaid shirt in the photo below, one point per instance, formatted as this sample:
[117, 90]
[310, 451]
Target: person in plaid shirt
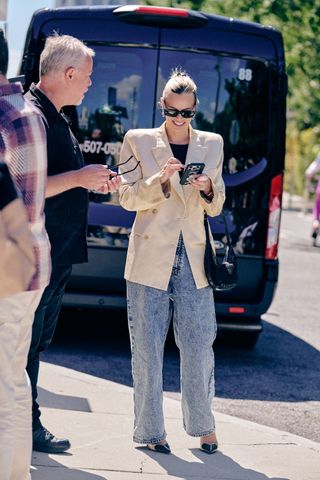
[23, 149]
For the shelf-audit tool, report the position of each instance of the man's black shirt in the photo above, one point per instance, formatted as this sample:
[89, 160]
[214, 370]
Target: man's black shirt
[66, 213]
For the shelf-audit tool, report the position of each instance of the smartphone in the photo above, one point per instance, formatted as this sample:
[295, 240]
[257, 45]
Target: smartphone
[191, 169]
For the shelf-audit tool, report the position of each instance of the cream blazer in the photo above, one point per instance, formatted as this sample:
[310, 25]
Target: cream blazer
[163, 211]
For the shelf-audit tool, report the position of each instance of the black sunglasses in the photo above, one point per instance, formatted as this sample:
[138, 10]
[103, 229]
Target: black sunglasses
[173, 112]
[115, 167]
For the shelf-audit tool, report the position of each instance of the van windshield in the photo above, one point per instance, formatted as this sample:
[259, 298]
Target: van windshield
[233, 101]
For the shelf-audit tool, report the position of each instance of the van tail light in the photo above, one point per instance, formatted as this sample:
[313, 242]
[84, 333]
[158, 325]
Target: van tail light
[274, 217]
[167, 11]
[160, 16]
[236, 310]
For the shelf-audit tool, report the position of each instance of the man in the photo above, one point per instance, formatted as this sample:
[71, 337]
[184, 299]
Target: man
[65, 70]
[23, 149]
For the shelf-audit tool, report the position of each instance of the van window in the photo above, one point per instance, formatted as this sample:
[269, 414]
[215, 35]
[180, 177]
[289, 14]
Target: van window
[122, 98]
[228, 89]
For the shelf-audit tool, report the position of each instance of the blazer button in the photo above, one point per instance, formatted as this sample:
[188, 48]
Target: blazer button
[154, 210]
[146, 237]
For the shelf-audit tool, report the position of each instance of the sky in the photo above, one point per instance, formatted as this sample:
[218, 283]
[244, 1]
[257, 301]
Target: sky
[19, 14]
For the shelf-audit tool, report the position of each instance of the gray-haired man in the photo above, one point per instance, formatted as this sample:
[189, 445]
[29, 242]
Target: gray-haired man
[65, 70]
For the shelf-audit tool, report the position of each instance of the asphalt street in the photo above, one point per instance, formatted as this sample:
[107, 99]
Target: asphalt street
[276, 384]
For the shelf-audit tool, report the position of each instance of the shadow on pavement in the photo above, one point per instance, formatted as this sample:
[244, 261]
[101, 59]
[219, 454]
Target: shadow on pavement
[217, 465]
[45, 467]
[281, 367]
[64, 402]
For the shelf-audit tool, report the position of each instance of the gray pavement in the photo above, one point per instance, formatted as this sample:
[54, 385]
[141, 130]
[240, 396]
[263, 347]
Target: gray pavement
[97, 416]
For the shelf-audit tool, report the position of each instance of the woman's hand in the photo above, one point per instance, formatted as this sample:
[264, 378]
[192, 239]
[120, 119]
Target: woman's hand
[201, 183]
[172, 165]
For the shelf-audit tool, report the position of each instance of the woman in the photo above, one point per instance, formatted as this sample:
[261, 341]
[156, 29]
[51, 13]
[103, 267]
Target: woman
[312, 171]
[164, 268]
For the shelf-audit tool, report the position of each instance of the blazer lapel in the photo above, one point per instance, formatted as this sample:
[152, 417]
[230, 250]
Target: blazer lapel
[162, 150]
[196, 154]
[161, 153]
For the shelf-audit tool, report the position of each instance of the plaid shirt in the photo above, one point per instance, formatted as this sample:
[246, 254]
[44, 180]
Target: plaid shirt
[23, 147]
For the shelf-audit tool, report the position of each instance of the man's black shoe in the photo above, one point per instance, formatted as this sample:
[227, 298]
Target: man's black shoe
[44, 441]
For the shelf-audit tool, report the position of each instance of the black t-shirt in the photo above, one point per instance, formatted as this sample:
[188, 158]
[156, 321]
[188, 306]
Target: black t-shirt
[66, 213]
[180, 152]
[7, 189]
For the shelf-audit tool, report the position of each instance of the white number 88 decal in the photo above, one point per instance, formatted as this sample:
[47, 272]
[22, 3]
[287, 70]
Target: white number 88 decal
[245, 74]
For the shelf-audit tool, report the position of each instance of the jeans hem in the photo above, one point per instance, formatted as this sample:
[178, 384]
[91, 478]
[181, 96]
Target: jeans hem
[151, 441]
[202, 434]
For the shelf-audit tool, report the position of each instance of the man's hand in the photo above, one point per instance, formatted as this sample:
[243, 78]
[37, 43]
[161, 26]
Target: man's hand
[93, 177]
[172, 165]
[111, 185]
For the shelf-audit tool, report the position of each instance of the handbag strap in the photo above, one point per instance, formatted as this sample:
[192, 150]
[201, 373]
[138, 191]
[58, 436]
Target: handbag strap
[206, 227]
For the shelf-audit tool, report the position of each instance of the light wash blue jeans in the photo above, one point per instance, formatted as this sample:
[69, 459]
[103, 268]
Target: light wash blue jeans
[194, 322]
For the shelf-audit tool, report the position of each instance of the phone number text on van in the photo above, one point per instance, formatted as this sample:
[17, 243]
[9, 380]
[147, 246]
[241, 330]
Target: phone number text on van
[95, 146]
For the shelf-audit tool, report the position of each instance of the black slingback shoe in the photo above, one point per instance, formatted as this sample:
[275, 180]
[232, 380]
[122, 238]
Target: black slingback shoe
[158, 447]
[209, 447]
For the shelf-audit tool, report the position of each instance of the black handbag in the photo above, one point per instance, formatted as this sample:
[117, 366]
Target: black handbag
[221, 276]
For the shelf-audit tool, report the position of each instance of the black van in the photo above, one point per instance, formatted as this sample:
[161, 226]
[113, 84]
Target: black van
[239, 68]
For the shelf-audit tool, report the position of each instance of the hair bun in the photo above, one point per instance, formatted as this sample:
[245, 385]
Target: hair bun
[178, 72]
[180, 82]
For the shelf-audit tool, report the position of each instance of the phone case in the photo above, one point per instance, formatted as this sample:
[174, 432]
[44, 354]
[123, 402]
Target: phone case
[191, 169]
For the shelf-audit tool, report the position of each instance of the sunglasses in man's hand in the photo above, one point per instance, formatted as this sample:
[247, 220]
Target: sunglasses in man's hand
[114, 168]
